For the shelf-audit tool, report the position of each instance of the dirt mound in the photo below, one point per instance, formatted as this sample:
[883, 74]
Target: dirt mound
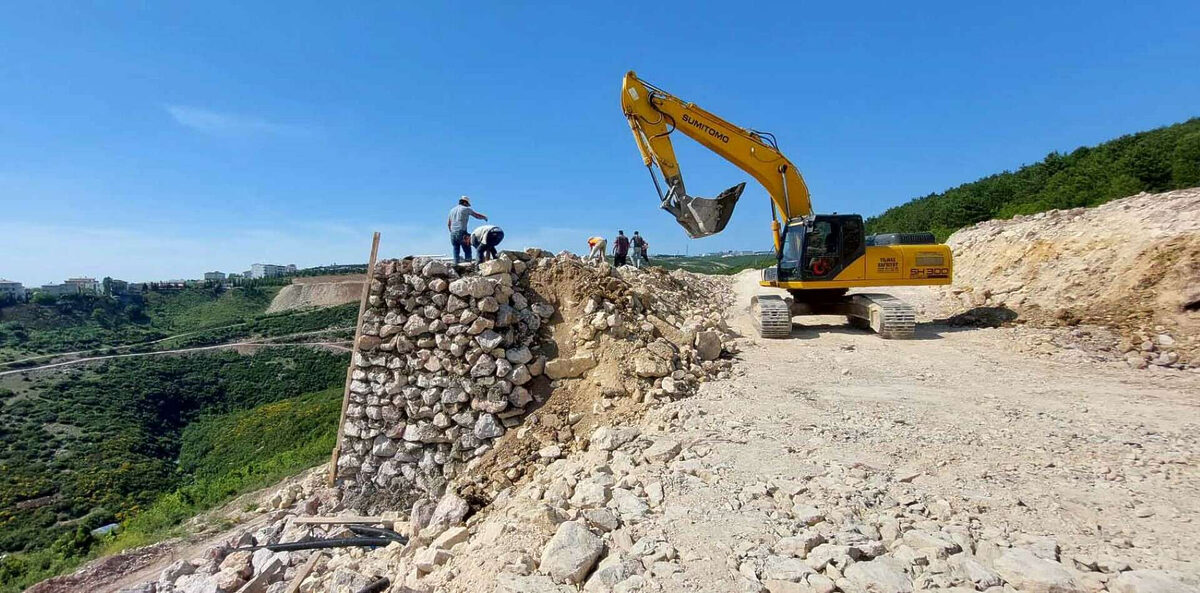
[1131, 264]
[317, 291]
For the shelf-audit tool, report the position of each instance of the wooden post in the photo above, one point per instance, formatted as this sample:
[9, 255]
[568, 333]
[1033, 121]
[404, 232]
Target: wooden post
[362, 307]
[312, 562]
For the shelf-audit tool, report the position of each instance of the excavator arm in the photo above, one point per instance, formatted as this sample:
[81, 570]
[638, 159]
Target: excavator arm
[654, 114]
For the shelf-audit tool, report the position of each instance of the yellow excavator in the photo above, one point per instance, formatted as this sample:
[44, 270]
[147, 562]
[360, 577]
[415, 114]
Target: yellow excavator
[819, 257]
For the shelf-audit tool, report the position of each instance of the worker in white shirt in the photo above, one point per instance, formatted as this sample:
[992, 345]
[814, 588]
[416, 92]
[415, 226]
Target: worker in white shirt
[485, 238]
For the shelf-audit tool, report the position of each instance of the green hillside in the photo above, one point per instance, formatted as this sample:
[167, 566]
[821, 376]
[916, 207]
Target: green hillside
[1157, 160]
[715, 264]
[198, 316]
[83, 322]
[113, 442]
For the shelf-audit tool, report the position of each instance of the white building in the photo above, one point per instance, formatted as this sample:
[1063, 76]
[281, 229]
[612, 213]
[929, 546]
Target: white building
[214, 276]
[10, 288]
[267, 270]
[83, 285]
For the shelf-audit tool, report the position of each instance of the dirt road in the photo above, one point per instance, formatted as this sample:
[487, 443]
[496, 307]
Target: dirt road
[1101, 457]
[246, 346]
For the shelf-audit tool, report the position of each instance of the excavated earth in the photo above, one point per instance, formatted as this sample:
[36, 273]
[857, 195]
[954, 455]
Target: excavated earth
[317, 291]
[1131, 264]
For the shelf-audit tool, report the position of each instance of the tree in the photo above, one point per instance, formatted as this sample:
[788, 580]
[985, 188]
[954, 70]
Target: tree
[1185, 162]
[107, 284]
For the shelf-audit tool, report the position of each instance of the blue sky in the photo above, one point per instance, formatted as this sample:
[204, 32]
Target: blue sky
[149, 140]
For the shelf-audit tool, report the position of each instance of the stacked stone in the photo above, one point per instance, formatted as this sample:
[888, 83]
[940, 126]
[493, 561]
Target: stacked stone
[445, 364]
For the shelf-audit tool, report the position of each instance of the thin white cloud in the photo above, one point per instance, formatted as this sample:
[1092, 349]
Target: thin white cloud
[230, 125]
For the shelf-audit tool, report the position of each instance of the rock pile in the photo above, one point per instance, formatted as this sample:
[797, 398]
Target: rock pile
[446, 364]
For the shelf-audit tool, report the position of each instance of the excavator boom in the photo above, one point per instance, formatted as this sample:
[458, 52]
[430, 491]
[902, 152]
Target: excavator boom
[655, 114]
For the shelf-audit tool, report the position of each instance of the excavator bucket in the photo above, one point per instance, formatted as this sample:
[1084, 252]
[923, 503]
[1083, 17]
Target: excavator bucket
[702, 217]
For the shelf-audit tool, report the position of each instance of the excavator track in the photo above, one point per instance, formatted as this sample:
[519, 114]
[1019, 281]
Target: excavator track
[886, 315]
[772, 316]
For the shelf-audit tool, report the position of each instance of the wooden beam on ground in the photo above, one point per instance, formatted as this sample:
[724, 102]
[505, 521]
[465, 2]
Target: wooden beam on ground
[308, 566]
[346, 520]
[362, 307]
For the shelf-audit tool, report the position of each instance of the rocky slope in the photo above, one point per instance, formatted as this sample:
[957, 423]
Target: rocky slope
[1131, 264]
[317, 291]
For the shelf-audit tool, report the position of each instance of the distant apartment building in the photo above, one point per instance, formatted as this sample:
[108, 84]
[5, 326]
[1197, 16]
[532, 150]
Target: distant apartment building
[83, 285]
[57, 289]
[10, 288]
[214, 276]
[270, 270]
[118, 287]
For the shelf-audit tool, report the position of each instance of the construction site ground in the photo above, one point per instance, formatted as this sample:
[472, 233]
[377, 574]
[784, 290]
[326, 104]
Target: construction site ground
[1098, 455]
[1005, 430]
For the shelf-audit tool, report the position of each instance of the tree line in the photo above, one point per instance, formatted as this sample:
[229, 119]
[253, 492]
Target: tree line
[1157, 160]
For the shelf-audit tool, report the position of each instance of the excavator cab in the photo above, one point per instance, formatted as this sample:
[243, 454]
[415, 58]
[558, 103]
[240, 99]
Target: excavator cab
[702, 217]
[821, 246]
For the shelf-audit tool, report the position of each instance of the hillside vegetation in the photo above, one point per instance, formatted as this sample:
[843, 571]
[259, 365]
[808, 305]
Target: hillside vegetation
[111, 443]
[1153, 161]
[715, 264]
[198, 316]
[83, 322]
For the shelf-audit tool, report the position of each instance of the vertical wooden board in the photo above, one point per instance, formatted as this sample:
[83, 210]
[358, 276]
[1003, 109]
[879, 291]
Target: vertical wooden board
[362, 307]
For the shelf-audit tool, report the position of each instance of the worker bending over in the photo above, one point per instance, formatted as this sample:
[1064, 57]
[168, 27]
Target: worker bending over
[456, 223]
[598, 248]
[485, 238]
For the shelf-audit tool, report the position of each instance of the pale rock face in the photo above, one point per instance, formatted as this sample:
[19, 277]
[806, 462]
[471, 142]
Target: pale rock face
[571, 553]
[1148, 581]
[882, 575]
[1025, 571]
[565, 368]
[650, 366]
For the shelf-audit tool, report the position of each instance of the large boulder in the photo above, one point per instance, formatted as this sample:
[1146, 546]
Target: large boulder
[1149, 581]
[608, 438]
[708, 345]
[649, 367]
[1025, 571]
[881, 575]
[568, 368]
[570, 554]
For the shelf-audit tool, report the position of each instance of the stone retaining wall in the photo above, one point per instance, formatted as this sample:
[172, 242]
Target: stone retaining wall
[447, 361]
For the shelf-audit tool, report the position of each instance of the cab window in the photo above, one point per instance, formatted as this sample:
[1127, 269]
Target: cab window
[852, 237]
[791, 248]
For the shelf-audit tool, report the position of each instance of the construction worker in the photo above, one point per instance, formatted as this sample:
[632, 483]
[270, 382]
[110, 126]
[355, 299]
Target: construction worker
[485, 238]
[456, 223]
[620, 249]
[597, 249]
[639, 250]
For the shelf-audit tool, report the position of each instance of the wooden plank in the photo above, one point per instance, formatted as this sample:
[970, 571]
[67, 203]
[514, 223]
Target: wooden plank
[346, 520]
[362, 307]
[308, 566]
